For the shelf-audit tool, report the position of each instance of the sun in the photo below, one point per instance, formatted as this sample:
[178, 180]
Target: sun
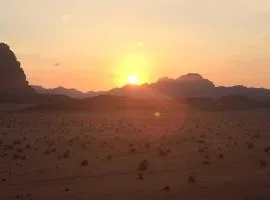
[132, 69]
[133, 80]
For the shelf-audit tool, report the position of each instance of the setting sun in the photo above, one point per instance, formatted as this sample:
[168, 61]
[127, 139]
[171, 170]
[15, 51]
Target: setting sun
[133, 80]
[132, 69]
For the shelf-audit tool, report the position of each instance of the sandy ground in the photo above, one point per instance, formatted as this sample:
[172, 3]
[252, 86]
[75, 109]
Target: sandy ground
[135, 155]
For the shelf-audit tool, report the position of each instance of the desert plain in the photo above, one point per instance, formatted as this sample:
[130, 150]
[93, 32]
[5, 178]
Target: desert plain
[135, 154]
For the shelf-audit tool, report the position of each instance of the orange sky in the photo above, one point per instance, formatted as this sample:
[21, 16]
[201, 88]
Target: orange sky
[100, 43]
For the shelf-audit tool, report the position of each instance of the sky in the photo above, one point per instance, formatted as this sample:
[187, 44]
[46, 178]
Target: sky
[97, 45]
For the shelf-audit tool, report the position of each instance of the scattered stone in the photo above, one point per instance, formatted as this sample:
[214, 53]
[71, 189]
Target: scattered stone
[166, 189]
[263, 163]
[201, 150]
[191, 179]
[8, 147]
[84, 163]
[132, 150]
[200, 141]
[17, 142]
[20, 150]
[16, 156]
[143, 165]
[140, 177]
[66, 154]
[250, 145]
[206, 162]
[47, 152]
[267, 149]
[161, 152]
[147, 145]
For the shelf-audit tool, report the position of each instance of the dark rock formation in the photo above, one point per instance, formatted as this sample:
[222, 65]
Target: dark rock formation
[194, 81]
[189, 85]
[12, 78]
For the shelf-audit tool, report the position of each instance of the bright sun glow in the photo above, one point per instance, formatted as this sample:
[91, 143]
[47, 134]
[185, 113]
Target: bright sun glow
[132, 69]
[133, 80]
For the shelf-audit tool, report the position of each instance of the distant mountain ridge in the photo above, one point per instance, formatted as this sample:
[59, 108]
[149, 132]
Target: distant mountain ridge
[73, 93]
[191, 85]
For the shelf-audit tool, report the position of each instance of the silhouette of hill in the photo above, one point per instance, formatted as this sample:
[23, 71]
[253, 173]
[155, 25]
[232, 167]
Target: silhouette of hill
[254, 93]
[13, 82]
[74, 93]
[190, 89]
[191, 85]
[14, 87]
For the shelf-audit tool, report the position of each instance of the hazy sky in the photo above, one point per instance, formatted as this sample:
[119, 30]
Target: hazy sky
[98, 43]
